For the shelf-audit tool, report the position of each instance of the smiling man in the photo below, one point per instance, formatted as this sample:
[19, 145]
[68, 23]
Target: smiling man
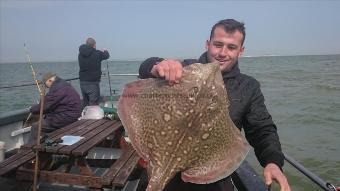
[247, 108]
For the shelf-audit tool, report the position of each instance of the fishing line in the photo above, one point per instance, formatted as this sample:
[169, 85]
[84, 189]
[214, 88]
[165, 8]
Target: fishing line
[108, 75]
[70, 79]
[30, 84]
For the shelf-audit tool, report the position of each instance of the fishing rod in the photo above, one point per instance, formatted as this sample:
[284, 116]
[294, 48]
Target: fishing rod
[42, 97]
[321, 183]
[36, 167]
[108, 74]
[124, 74]
[32, 68]
[37, 82]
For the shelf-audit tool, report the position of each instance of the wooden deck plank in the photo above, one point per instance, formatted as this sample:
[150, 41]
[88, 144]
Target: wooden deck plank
[88, 134]
[58, 132]
[14, 158]
[60, 177]
[126, 170]
[93, 138]
[82, 130]
[94, 131]
[17, 163]
[84, 148]
[25, 153]
[116, 166]
[71, 126]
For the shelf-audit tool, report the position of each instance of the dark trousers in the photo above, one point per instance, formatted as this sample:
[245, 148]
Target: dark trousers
[46, 129]
[177, 184]
[90, 92]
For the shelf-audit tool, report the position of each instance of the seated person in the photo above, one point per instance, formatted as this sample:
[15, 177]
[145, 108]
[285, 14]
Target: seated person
[62, 106]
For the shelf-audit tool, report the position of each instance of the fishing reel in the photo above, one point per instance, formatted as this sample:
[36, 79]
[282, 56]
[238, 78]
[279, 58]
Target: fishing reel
[47, 142]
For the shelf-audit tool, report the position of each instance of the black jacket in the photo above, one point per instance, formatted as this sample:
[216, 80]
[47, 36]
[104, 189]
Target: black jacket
[247, 110]
[62, 104]
[90, 63]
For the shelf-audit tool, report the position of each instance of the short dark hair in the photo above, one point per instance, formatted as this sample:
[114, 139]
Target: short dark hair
[230, 25]
[90, 41]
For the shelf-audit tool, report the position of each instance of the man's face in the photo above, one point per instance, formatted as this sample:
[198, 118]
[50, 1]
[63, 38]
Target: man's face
[225, 48]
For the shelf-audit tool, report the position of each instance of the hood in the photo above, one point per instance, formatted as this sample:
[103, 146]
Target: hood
[86, 50]
[57, 84]
[203, 58]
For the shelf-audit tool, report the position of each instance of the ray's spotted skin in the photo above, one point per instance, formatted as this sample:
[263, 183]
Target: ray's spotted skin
[184, 127]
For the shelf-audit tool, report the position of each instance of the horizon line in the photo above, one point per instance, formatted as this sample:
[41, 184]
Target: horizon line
[141, 59]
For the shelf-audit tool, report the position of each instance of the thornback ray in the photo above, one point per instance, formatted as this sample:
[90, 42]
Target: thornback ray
[183, 128]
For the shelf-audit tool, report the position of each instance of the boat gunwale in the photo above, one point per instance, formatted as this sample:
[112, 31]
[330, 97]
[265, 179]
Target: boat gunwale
[13, 116]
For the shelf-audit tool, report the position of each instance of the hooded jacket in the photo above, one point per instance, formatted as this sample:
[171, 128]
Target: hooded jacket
[62, 104]
[90, 63]
[247, 110]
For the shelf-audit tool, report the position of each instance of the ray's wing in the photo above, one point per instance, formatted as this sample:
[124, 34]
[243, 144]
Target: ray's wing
[221, 163]
[128, 112]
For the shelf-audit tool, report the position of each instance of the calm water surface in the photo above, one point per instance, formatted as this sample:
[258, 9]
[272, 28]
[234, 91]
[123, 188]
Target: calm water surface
[302, 94]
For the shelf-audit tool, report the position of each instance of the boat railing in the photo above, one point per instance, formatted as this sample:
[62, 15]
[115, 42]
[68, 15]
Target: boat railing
[13, 116]
[313, 177]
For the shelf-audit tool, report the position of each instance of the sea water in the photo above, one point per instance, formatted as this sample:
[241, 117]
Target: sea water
[302, 94]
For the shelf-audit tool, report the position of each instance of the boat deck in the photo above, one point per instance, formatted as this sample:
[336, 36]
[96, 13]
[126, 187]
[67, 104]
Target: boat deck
[77, 168]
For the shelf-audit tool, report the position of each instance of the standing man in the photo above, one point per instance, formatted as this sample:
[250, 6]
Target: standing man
[247, 108]
[62, 105]
[90, 71]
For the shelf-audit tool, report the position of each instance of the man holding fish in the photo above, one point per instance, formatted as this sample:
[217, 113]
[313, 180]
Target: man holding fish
[247, 108]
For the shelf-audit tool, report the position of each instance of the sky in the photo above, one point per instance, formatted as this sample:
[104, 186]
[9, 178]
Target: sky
[135, 30]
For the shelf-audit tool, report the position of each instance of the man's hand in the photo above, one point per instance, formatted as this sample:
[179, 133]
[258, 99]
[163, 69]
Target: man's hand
[170, 70]
[272, 172]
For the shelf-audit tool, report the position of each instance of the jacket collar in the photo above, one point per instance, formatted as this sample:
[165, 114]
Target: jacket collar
[57, 84]
[235, 71]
